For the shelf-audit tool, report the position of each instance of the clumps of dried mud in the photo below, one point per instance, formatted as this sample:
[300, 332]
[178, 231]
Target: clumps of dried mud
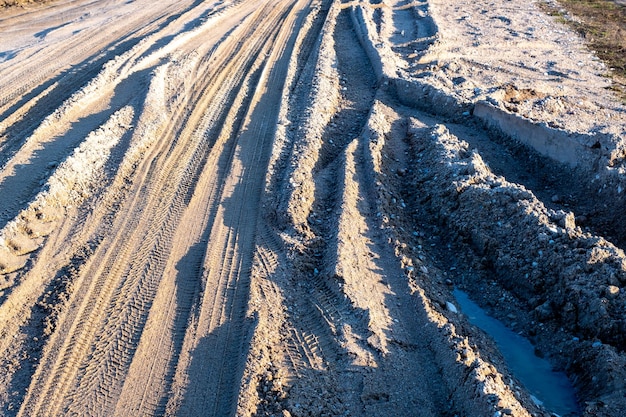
[410, 192]
[71, 182]
[373, 212]
[561, 285]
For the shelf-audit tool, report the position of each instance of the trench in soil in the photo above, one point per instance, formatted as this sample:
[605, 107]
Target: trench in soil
[551, 388]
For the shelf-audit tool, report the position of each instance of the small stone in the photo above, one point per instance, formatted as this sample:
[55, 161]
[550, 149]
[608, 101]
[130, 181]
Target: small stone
[544, 311]
[569, 222]
[451, 307]
[556, 198]
[449, 282]
[612, 291]
[596, 344]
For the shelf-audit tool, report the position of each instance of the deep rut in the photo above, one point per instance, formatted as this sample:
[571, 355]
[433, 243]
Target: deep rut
[215, 146]
[263, 208]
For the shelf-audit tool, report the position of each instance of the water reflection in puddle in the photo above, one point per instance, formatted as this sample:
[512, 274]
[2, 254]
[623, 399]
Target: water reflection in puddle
[551, 388]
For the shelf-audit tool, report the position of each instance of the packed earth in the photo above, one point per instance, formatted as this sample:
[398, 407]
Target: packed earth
[265, 208]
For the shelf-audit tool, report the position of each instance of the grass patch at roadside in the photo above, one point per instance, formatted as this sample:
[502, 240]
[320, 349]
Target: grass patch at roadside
[13, 3]
[602, 23]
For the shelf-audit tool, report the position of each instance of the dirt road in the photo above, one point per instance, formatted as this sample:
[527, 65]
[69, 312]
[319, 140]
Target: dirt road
[247, 208]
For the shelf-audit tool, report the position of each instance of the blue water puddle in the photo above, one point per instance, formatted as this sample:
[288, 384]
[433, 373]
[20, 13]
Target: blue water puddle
[551, 388]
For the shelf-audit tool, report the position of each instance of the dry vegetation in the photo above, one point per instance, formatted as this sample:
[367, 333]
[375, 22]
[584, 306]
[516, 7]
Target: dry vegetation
[602, 23]
[9, 3]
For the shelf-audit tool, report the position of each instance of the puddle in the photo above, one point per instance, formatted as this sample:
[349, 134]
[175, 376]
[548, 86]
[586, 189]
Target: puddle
[551, 388]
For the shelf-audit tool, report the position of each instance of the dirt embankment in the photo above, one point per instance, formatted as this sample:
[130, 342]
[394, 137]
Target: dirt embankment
[262, 208]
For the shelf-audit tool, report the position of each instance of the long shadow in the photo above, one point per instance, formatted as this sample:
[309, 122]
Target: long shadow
[42, 34]
[46, 310]
[218, 360]
[347, 125]
[411, 337]
[189, 280]
[43, 320]
[314, 285]
[359, 92]
[28, 178]
[195, 23]
[225, 379]
[67, 83]
[188, 294]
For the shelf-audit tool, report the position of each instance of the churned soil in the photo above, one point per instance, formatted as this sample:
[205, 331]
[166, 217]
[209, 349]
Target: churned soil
[263, 208]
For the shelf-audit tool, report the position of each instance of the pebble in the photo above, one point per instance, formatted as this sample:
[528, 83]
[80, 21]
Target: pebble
[612, 291]
[596, 344]
[451, 307]
[556, 198]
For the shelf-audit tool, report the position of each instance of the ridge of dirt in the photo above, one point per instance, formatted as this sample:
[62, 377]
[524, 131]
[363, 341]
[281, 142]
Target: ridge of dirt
[226, 208]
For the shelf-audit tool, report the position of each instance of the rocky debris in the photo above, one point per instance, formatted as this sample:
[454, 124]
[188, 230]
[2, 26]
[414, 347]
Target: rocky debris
[564, 278]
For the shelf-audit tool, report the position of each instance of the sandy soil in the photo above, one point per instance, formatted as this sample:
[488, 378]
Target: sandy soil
[261, 208]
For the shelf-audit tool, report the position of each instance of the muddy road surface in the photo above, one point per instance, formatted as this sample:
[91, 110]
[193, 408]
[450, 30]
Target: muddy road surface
[264, 208]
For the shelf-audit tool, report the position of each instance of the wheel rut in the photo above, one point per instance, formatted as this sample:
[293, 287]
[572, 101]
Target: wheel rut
[104, 339]
[226, 207]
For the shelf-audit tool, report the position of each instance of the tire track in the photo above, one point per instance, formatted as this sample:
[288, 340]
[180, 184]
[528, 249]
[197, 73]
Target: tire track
[76, 51]
[319, 328]
[138, 240]
[212, 380]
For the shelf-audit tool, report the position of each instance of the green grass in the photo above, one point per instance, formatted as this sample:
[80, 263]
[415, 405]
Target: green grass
[602, 23]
